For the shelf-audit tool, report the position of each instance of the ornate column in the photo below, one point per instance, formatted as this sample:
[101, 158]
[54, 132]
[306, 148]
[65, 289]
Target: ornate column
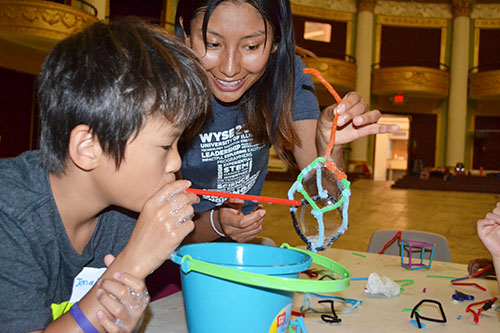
[457, 105]
[364, 52]
[102, 7]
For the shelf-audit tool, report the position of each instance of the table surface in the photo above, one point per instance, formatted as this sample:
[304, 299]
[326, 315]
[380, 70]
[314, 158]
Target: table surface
[376, 314]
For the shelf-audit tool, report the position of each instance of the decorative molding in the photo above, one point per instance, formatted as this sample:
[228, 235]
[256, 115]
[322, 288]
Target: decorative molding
[484, 85]
[483, 11]
[341, 74]
[366, 5]
[462, 7]
[487, 23]
[338, 5]
[322, 13]
[405, 21]
[413, 9]
[411, 80]
[42, 18]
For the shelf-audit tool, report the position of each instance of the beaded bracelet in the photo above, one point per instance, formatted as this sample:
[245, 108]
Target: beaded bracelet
[213, 225]
[81, 320]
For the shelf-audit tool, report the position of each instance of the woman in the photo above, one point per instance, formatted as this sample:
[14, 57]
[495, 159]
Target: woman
[261, 98]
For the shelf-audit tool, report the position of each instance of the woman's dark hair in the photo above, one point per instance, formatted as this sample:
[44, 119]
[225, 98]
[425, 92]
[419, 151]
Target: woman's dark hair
[270, 100]
[111, 77]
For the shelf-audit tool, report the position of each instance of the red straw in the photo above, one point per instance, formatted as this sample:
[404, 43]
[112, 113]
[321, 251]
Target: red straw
[245, 197]
[397, 235]
[481, 271]
[469, 284]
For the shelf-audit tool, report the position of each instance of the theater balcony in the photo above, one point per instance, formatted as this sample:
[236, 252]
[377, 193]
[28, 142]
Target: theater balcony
[413, 81]
[29, 29]
[484, 84]
[341, 74]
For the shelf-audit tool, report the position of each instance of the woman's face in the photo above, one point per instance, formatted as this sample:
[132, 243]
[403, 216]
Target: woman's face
[237, 48]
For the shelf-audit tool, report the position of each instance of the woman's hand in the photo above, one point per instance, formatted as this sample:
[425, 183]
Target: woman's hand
[125, 297]
[355, 121]
[239, 227]
[488, 230]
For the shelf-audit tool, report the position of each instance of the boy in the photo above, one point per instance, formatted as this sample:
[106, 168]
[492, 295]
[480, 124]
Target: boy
[114, 100]
[488, 230]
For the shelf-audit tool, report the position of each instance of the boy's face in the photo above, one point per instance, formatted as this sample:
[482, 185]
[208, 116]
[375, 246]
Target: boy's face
[150, 161]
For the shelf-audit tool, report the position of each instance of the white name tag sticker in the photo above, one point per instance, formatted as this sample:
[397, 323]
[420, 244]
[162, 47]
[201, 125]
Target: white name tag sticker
[84, 281]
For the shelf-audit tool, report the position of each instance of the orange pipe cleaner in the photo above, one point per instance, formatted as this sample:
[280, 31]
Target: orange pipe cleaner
[337, 97]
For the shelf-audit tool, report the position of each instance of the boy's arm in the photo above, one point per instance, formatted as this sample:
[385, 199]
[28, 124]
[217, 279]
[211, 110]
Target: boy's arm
[488, 230]
[162, 225]
[496, 264]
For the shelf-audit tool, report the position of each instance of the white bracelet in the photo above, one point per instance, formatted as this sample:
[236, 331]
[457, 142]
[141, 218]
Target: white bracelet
[213, 225]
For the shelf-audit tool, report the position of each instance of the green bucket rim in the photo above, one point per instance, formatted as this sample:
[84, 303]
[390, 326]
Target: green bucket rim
[188, 264]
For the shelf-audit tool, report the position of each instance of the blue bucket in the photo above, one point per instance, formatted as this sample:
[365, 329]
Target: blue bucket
[234, 287]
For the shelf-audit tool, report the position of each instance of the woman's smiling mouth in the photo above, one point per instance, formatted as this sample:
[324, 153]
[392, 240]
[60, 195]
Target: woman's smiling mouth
[228, 85]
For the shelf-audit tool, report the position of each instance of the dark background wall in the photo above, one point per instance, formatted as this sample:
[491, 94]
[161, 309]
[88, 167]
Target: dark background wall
[17, 113]
[403, 46]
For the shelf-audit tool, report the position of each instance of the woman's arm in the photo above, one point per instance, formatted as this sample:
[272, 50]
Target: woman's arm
[203, 231]
[308, 151]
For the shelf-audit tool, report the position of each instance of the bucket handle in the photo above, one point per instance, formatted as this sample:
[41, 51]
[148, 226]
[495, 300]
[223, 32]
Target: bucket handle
[274, 282]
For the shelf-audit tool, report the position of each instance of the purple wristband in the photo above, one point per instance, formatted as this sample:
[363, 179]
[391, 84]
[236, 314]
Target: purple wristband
[81, 320]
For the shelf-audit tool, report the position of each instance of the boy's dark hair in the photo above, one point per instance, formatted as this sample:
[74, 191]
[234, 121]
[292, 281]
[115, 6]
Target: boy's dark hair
[269, 101]
[111, 77]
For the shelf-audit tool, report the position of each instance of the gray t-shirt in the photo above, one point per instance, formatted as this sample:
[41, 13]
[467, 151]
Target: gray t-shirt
[222, 158]
[38, 265]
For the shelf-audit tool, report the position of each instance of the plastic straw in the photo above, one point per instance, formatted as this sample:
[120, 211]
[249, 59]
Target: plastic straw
[481, 271]
[245, 197]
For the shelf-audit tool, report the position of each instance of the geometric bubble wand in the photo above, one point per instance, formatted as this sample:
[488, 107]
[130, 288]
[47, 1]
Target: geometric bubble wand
[325, 191]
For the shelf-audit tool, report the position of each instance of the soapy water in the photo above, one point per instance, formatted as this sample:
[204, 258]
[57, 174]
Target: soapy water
[136, 304]
[326, 192]
[176, 210]
[322, 218]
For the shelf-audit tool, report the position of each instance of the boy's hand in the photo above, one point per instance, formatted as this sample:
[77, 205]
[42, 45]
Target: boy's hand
[164, 222]
[477, 264]
[125, 297]
[488, 230]
[241, 228]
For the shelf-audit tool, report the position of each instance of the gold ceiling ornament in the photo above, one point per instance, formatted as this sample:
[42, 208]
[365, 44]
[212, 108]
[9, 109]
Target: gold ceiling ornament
[42, 18]
[462, 7]
[366, 5]
[405, 21]
[321, 13]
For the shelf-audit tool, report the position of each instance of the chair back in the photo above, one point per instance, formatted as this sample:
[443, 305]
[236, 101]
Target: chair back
[381, 237]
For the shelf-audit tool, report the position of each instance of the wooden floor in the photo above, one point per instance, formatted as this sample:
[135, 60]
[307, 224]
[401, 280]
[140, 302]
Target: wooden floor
[374, 205]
